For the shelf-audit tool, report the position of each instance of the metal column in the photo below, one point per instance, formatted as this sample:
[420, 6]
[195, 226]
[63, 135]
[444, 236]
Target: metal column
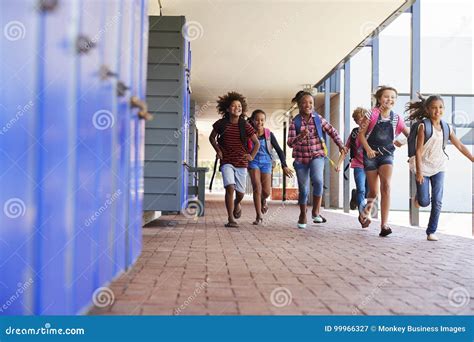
[327, 114]
[414, 87]
[347, 130]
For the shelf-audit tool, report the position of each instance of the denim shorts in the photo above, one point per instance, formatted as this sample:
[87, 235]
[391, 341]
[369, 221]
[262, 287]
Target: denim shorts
[379, 160]
[236, 176]
[263, 166]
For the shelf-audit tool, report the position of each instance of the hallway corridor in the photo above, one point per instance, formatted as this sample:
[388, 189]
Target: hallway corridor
[197, 267]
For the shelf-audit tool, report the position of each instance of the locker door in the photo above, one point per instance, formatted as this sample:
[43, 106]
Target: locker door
[124, 119]
[18, 126]
[109, 191]
[56, 136]
[91, 121]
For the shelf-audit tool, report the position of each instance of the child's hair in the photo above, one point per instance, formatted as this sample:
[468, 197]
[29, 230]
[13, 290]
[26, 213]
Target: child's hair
[299, 96]
[378, 93]
[224, 102]
[360, 112]
[254, 116]
[418, 110]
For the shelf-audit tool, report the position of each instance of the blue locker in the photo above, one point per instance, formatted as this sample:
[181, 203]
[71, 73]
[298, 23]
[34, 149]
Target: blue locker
[91, 120]
[124, 119]
[109, 192]
[18, 124]
[71, 150]
[140, 17]
[56, 142]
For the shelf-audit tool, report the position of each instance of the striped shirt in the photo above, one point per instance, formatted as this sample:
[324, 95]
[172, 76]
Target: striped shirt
[309, 148]
[233, 151]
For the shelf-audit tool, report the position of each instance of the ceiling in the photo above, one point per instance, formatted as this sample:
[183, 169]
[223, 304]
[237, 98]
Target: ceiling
[269, 49]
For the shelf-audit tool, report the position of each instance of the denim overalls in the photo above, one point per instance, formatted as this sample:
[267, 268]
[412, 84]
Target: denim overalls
[381, 141]
[262, 160]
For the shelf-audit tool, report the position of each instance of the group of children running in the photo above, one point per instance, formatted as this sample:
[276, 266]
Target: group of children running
[246, 146]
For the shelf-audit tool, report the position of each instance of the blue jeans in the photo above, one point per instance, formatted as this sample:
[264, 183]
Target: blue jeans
[423, 197]
[361, 186]
[313, 170]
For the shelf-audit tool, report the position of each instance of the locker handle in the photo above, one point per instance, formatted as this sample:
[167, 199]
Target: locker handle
[135, 102]
[84, 44]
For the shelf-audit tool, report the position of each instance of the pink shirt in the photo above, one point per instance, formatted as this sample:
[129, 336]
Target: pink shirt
[358, 160]
[373, 120]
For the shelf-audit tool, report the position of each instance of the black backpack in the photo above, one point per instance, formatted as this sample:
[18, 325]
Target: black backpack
[222, 126]
[428, 133]
[352, 149]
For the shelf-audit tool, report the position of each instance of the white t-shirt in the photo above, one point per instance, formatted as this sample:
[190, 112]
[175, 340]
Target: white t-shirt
[433, 158]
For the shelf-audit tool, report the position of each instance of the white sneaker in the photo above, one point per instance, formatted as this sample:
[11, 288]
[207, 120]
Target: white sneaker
[432, 237]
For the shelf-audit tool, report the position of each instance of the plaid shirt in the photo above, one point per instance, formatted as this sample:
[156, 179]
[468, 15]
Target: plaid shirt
[309, 148]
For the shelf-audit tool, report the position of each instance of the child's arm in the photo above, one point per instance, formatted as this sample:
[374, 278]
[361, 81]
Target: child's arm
[213, 141]
[460, 146]
[256, 146]
[362, 132]
[420, 139]
[342, 156]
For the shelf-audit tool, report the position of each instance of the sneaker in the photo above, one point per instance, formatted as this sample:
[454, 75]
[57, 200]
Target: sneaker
[385, 231]
[301, 225]
[353, 202]
[432, 237]
[318, 219]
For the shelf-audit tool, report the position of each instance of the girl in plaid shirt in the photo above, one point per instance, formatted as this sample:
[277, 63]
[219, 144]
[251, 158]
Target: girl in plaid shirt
[309, 152]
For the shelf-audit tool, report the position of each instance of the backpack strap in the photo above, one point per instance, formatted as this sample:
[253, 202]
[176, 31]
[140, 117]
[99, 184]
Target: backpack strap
[428, 128]
[268, 141]
[297, 122]
[446, 131]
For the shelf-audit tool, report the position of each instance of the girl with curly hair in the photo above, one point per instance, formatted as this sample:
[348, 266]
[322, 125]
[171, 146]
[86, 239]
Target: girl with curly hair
[229, 138]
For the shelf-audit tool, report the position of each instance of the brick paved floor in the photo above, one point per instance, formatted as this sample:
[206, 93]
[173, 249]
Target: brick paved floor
[198, 267]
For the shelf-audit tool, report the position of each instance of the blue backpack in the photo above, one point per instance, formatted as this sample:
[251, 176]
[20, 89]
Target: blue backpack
[317, 123]
[428, 133]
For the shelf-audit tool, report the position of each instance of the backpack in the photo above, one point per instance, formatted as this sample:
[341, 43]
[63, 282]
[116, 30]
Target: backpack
[317, 123]
[220, 139]
[319, 130]
[268, 141]
[428, 133]
[353, 137]
[352, 149]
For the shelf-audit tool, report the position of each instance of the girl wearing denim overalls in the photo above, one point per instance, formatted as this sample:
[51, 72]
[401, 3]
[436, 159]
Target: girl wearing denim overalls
[429, 161]
[376, 135]
[260, 168]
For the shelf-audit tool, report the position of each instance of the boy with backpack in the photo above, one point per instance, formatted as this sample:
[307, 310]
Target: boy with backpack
[356, 161]
[229, 138]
